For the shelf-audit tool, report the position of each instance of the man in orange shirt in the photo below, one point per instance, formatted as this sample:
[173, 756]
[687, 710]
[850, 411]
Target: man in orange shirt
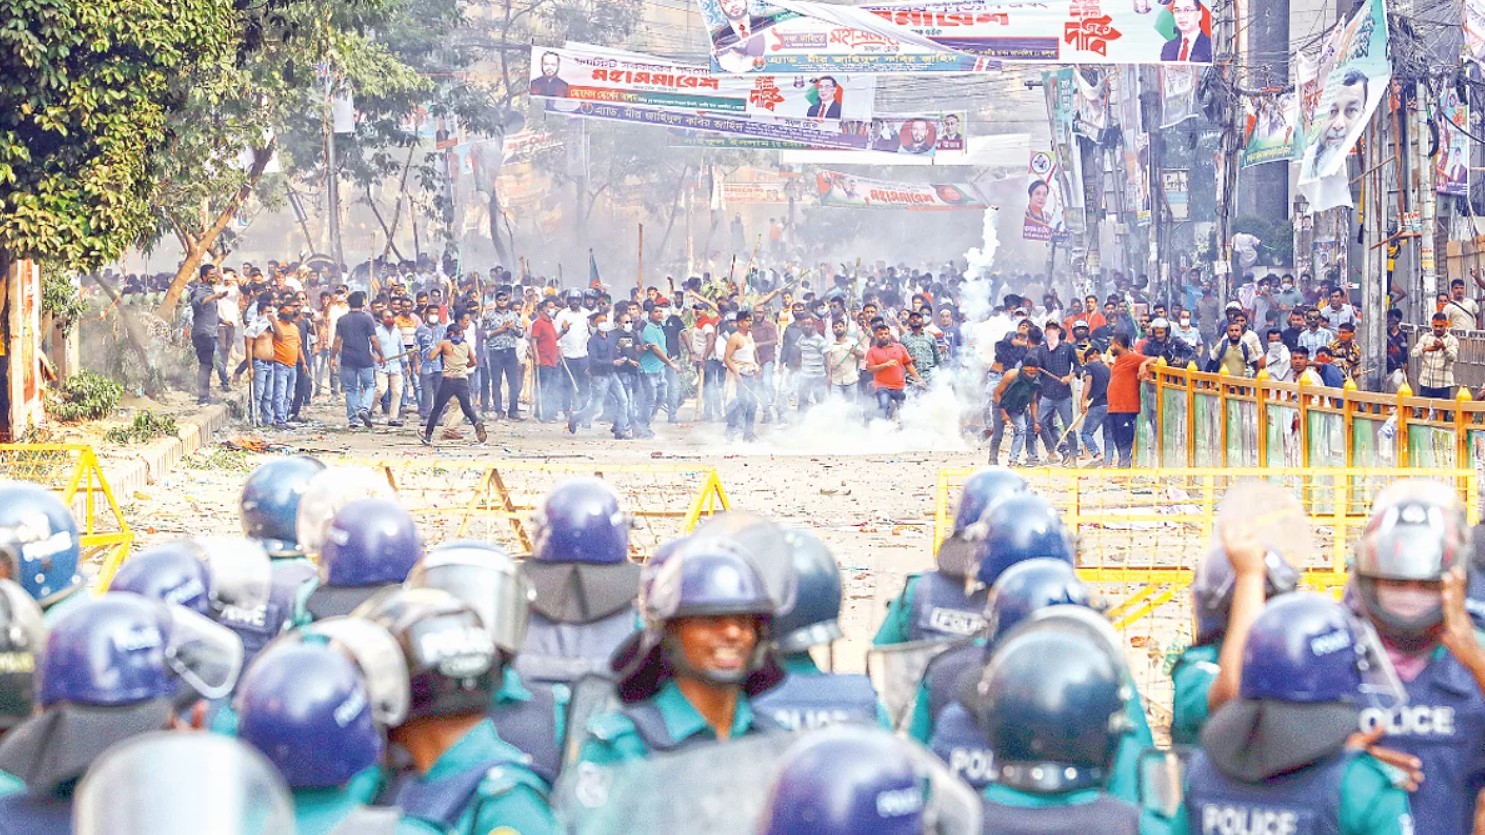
[890, 365]
[286, 347]
[1124, 396]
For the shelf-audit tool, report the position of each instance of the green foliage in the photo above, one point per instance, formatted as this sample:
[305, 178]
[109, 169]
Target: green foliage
[85, 90]
[84, 396]
[1277, 235]
[61, 299]
[145, 427]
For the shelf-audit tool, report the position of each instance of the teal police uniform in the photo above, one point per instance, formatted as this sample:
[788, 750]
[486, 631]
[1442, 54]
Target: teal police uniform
[507, 798]
[614, 738]
[1192, 678]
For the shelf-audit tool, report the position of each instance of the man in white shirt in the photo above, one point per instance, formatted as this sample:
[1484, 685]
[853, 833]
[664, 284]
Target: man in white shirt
[1338, 312]
[229, 317]
[1463, 313]
[572, 344]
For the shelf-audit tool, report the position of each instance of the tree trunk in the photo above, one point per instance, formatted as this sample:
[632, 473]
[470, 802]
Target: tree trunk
[133, 336]
[199, 247]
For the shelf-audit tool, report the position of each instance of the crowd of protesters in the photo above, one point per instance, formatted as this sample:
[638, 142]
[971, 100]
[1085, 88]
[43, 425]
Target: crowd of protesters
[1063, 378]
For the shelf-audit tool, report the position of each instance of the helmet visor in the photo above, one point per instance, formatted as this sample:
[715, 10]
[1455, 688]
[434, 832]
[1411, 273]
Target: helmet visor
[764, 544]
[329, 491]
[952, 805]
[206, 655]
[382, 664]
[1274, 517]
[501, 597]
[241, 574]
[1380, 685]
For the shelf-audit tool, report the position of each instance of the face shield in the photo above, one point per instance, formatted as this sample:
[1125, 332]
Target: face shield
[329, 491]
[182, 783]
[241, 571]
[382, 664]
[22, 639]
[204, 655]
[1380, 685]
[1273, 516]
[951, 805]
[489, 582]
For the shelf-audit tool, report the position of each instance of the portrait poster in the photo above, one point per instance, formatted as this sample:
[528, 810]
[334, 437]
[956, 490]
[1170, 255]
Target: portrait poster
[1091, 93]
[1043, 220]
[825, 96]
[573, 75]
[1349, 95]
[1178, 94]
[1269, 127]
[1452, 165]
[837, 188]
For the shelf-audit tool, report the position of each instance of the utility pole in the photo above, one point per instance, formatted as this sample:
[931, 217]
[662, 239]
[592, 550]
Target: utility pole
[1230, 124]
[1374, 253]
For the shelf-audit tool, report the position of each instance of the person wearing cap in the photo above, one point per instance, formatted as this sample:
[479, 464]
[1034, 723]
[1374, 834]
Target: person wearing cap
[689, 677]
[1162, 343]
[1059, 364]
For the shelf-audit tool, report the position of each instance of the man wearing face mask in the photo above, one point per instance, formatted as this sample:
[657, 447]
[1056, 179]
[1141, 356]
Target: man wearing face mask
[1289, 297]
[604, 362]
[458, 360]
[1188, 332]
[1408, 580]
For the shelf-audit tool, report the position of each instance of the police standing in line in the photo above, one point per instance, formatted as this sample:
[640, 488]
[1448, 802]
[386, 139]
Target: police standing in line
[1408, 580]
[1276, 757]
[372, 544]
[529, 716]
[464, 777]
[306, 707]
[1232, 582]
[40, 545]
[810, 698]
[269, 508]
[1051, 703]
[689, 677]
[1028, 528]
[585, 584]
[104, 677]
[945, 694]
[935, 604]
[22, 638]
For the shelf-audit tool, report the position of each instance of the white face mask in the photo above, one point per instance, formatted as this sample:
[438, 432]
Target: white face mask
[1408, 603]
[1185, 321]
[605, 327]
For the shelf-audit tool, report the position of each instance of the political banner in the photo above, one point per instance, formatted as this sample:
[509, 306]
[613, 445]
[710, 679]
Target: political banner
[1058, 31]
[573, 75]
[526, 144]
[1177, 94]
[881, 141]
[1452, 165]
[1060, 92]
[1349, 94]
[802, 131]
[764, 193]
[1090, 102]
[803, 45]
[824, 96]
[1043, 221]
[1474, 30]
[837, 188]
[1269, 127]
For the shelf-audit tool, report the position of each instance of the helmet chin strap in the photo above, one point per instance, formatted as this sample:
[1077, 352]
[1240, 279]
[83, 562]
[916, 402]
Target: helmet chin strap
[721, 678]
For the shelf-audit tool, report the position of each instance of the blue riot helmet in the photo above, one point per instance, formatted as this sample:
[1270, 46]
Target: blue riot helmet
[580, 521]
[115, 667]
[1306, 648]
[177, 782]
[580, 564]
[1027, 587]
[453, 665]
[986, 487]
[814, 620]
[371, 544]
[845, 780]
[326, 493]
[307, 709]
[377, 657]
[1051, 703]
[270, 503]
[706, 577]
[38, 541]
[653, 565]
[763, 543]
[1415, 537]
[1213, 585]
[487, 580]
[1016, 528]
[22, 636]
[208, 574]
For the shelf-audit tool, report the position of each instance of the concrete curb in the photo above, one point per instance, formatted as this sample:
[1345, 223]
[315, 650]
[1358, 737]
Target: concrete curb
[132, 469]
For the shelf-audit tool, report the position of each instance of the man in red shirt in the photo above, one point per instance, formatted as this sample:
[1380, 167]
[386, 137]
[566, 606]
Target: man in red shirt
[890, 364]
[544, 343]
[1128, 370]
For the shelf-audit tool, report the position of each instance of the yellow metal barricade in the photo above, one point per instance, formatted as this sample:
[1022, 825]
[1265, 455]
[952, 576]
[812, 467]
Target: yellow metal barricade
[73, 473]
[493, 500]
[1141, 533]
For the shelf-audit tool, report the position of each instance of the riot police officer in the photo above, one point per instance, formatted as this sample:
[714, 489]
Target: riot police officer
[307, 708]
[22, 636]
[326, 493]
[852, 779]
[465, 778]
[935, 604]
[1408, 580]
[1276, 758]
[114, 667]
[371, 544]
[269, 505]
[1232, 582]
[585, 584]
[528, 715]
[809, 698]
[40, 545]
[206, 574]
[1051, 703]
[687, 679]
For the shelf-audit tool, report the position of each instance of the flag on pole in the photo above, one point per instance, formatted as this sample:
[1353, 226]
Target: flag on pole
[595, 281]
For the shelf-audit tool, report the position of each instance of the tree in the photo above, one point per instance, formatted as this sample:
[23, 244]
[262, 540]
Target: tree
[294, 56]
[87, 89]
